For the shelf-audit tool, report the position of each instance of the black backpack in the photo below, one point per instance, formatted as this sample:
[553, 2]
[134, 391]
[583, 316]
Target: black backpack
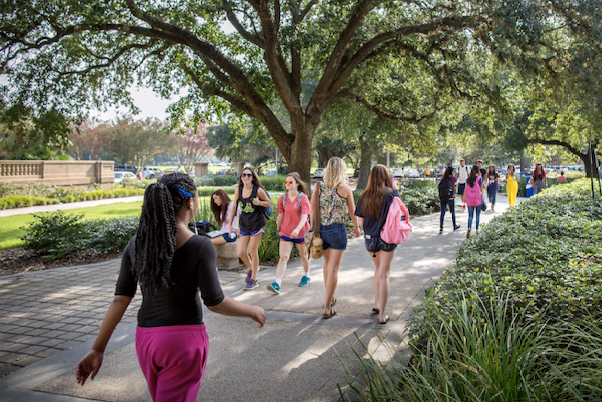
[446, 190]
[203, 227]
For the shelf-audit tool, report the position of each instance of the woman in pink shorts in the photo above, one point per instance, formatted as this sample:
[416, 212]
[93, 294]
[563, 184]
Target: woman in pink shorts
[171, 264]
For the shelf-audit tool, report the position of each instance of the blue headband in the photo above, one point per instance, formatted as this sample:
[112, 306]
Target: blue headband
[185, 193]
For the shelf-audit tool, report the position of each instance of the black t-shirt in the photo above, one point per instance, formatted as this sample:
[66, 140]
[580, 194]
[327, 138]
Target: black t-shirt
[193, 268]
[372, 226]
[251, 216]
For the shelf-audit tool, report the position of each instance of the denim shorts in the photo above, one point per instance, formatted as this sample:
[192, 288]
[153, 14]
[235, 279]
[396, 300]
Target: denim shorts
[334, 236]
[374, 244]
[229, 239]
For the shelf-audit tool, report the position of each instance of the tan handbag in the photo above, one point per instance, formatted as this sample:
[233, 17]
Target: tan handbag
[315, 248]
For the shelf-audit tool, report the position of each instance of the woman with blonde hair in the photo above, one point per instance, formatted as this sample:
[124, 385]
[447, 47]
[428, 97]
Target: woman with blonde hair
[333, 198]
[293, 210]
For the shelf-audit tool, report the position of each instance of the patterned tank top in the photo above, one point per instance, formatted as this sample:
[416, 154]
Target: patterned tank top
[333, 207]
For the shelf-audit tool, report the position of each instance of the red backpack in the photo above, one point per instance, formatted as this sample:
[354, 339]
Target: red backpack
[473, 193]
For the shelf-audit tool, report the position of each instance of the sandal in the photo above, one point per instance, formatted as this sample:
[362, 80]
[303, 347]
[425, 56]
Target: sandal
[375, 311]
[333, 302]
[332, 313]
[386, 321]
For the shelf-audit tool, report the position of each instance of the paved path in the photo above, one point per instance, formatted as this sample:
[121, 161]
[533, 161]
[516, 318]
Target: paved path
[49, 319]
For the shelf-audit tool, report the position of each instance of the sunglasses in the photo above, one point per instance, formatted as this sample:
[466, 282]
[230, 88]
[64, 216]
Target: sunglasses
[288, 182]
[247, 175]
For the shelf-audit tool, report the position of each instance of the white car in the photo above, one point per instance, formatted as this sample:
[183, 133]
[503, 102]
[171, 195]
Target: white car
[271, 172]
[151, 172]
[413, 173]
[119, 176]
[318, 173]
[397, 173]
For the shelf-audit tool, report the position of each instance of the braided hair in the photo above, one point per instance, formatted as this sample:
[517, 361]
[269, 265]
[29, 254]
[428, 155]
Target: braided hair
[155, 243]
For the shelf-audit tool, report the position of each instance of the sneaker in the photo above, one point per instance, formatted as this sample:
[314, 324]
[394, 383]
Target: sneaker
[456, 227]
[305, 281]
[251, 284]
[463, 206]
[249, 274]
[468, 234]
[440, 231]
[274, 287]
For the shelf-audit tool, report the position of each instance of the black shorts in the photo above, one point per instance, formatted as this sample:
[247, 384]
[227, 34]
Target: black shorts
[461, 188]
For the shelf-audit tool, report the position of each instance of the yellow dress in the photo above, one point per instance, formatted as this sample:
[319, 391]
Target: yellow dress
[511, 190]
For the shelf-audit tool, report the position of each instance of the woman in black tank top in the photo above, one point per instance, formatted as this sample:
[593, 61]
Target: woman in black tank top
[252, 200]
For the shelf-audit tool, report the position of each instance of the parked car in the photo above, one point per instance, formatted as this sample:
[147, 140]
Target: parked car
[318, 173]
[271, 172]
[414, 173]
[226, 171]
[125, 167]
[356, 172]
[397, 173]
[119, 176]
[150, 172]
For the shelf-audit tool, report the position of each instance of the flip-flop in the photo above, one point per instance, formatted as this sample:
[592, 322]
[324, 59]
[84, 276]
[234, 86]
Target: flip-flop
[332, 313]
[375, 311]
[333, 302]
[386, 321]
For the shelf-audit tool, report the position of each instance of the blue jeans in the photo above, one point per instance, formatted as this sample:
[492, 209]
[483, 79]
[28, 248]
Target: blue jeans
[444, 205]
[470, 214]
[334, 236]
[491, 193]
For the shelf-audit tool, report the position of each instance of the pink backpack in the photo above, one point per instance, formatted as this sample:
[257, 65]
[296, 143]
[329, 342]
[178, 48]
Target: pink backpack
[473, 193]
[396, 231]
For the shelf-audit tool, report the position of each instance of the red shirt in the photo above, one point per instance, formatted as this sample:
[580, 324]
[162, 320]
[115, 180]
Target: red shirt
[292, 215]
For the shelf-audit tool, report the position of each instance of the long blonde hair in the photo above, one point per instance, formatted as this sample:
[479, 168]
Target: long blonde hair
[335, 174]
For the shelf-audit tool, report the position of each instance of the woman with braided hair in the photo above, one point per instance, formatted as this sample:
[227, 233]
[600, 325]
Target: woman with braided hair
[171, 264]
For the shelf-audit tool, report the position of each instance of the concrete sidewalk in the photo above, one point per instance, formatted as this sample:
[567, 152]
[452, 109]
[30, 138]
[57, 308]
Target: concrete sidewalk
[50, 318]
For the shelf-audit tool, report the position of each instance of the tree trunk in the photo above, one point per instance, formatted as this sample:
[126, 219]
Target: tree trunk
[324, 155]
[590, 169]
[300, 157]
[365, 162]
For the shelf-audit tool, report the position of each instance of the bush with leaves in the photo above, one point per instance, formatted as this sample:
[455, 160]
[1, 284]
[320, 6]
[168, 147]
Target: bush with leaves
[205, 181]
[224, 180]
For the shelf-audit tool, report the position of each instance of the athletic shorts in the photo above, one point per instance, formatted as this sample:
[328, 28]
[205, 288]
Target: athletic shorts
[334, 236]
[257, 232]
[461, 188]
[296, 241]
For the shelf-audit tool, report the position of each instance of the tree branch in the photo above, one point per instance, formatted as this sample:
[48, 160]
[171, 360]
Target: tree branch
[566, 145]
[255, 39]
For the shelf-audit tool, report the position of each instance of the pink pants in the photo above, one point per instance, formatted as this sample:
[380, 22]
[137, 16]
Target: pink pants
[173, 360]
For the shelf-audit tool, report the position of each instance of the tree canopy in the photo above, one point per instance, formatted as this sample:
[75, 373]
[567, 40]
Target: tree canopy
[73, 54]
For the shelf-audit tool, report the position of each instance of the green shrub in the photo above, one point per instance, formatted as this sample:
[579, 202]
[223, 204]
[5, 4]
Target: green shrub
[21, 201]
[273, 183]
[224, 180]
[420, 199]
[111, 234]
[207, 191]
[204, 181]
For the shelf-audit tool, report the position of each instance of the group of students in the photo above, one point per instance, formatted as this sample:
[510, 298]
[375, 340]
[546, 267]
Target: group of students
[171, 264]
[470, 185]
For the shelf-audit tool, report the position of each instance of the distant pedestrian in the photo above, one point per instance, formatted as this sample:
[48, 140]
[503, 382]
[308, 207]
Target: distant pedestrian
[171, 265]
[372, 209]
[511, 185]
[333, 198]
[177, 170]
[492, 178]
[223, 209]
[540, 179]
[447, 195]
[252, 200]
[474, 197]
[139, 174]
[562, 177]
[462, 175]
[292, 223]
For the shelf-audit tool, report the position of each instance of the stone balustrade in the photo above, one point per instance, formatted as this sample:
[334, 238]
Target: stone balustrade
[58, 173]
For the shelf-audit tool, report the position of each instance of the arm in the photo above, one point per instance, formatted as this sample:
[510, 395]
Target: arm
[91, 362]
[279, 221]
[295, 232]
[351, 207]
[235, 202]
[262, 199]
[315, 205]
[234, 308]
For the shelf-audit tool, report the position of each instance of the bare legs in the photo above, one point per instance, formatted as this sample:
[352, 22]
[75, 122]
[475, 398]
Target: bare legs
[285, 253]
[218, 240]
[332, 262]
[382, 265]
[251, 259]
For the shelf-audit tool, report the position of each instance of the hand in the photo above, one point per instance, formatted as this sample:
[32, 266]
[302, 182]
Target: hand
[237, 232]
[257, 201]
[356, 231]
[90, 363]
[294, 234]
[258, 316]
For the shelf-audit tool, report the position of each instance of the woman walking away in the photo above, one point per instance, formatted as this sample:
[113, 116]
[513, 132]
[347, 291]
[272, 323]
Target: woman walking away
[171, 264]
[447, 187]
[511, 185]
[252, 199]
[372, 209]
[474, 196]
[492, 185]
[223, 209]
[540, 179]
[293, 210]
[333, 198]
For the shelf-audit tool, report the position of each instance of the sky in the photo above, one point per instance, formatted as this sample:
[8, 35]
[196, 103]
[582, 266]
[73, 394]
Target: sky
[149, 103]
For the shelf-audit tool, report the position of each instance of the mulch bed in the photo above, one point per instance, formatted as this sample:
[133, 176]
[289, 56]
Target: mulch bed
[18, 261]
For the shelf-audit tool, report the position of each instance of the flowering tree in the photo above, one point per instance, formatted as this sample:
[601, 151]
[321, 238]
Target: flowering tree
[89, 141]
[192, 144]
